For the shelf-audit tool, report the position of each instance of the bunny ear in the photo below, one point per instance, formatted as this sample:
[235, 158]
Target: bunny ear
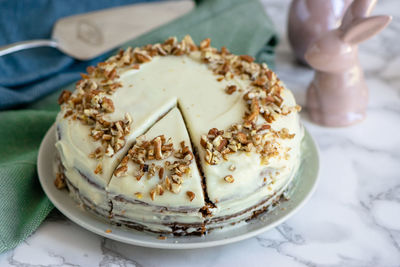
[357, 9]
[365, 28]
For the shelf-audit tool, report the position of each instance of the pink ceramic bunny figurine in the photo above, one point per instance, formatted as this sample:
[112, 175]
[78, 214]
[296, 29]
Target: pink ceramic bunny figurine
[338, 94]
[308, 19]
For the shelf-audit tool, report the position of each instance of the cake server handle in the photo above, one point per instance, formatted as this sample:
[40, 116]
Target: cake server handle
[18, 46]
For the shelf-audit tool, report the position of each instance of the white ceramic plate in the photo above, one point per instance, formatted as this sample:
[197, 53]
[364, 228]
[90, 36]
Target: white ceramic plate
[304, 185]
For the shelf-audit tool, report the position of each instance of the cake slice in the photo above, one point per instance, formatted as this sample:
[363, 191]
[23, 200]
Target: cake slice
[157, 187]
[96, 126]
[250, 180]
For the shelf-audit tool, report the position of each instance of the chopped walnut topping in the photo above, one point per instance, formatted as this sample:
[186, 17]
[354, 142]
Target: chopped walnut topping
[139, 174]
[127, 119]
[107, 105]
[203, 141]
[153, 193]
[205, 43]
[97, 153]
[176, 179]
[247, 58]
[125, 160]
[90, 69]
[189, 44]
[263, 127]
[229, 179]
[59, 182]
[105, 137]
[64, 97]
[184, 153]
[157, 147]
[109, 151]
[159, 190]
[242, 138]
[175, 188]
[191, 195]
[167, 183]
[141, 57]
[255, 110]
[121, 171]
[284, 134]
[230, 89]
[161, 173]
[99, 169]
[222, 144]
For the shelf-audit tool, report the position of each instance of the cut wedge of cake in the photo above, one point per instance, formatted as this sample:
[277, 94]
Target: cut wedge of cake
[158, 182]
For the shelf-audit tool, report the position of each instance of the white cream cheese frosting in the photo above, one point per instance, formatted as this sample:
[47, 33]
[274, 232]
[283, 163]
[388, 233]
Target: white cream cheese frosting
[242, 122]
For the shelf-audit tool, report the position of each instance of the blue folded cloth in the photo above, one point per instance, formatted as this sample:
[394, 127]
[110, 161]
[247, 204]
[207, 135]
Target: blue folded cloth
[29, 75]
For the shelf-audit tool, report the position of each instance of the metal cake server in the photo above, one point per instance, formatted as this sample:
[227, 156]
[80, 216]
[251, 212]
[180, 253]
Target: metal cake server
[88, 35]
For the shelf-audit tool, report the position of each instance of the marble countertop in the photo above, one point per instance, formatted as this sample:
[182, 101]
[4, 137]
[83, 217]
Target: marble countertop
[353, 219]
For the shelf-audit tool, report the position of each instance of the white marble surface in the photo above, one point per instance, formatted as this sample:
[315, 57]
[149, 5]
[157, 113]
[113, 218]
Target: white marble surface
[353, 219]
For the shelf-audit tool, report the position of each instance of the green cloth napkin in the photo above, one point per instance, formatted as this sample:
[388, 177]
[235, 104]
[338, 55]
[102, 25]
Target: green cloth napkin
[242, 26]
